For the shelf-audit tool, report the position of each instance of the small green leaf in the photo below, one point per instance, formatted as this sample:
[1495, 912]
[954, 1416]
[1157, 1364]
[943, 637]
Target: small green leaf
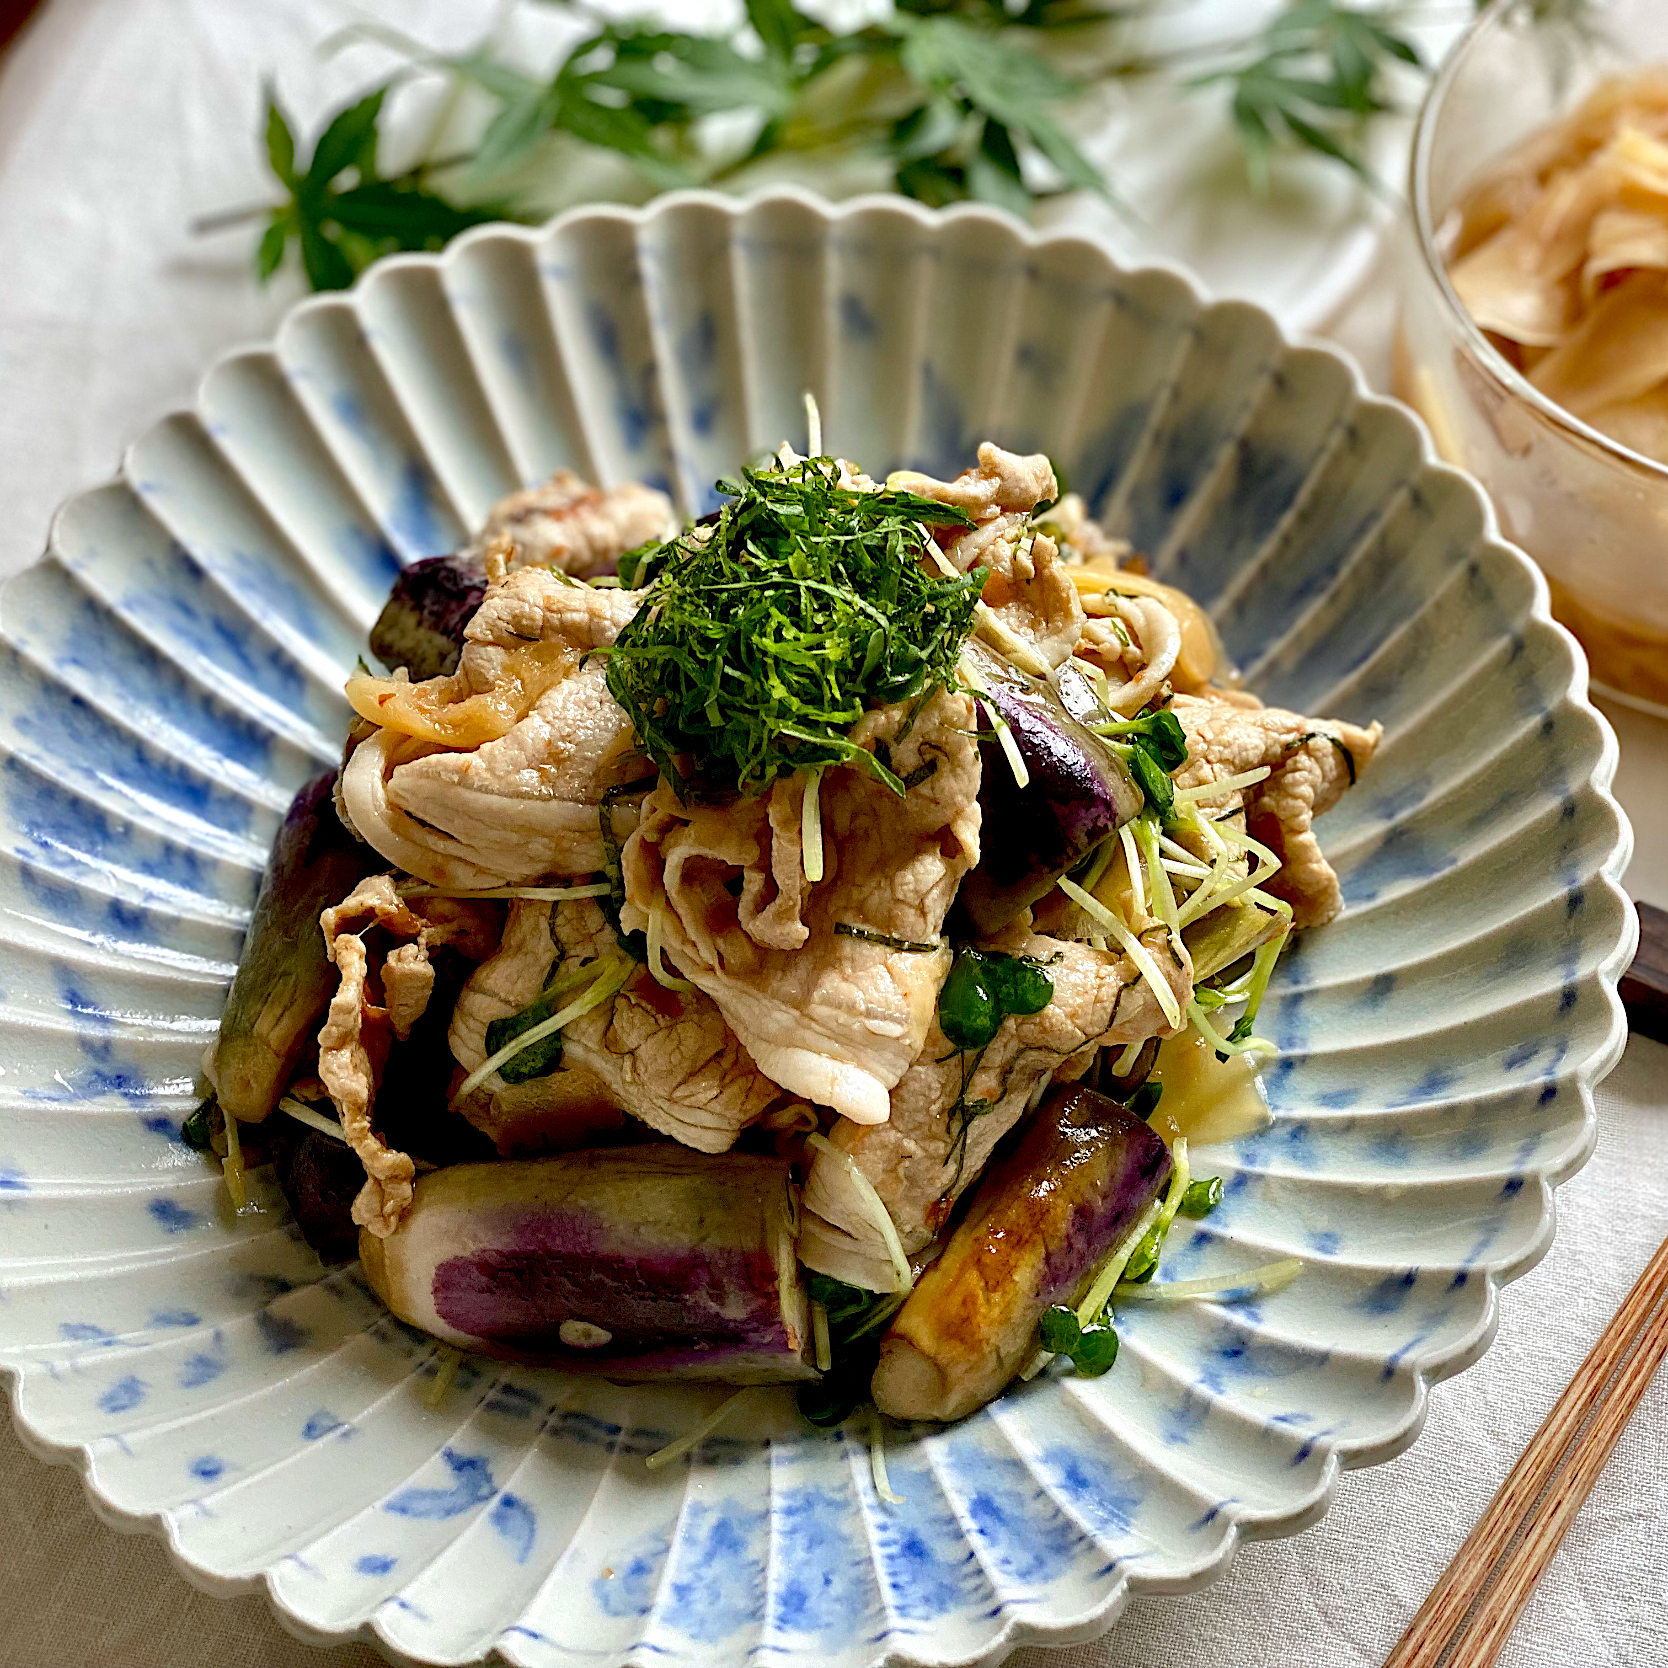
[280, 140]
[327, 267]
[931, 180]
[501, 80]
[1318, 140]
[1096, 1351]
[411, 217]
[615, 128]
[832, 1398]
[348, 141]
[993, 171]
[777, 24]
[198, 1130]
[927, 130]
[538, 1059]
[1059, 1333]
[522, 121]
[968, 1012]
[1159, 733]
[270, 255]
[836, 1296]
[1151, 777]
[1202, 1197]
[984, 988]
[1144, 1102]
[677, 76]
[1020, 986]
[1396, 45]
[1143, 1260]
[1001, 80]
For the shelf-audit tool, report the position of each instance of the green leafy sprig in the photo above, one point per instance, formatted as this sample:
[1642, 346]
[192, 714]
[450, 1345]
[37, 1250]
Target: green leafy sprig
[342, 212]
[765, 636]
[1154, 746]
[1322, 73]
[950, 99]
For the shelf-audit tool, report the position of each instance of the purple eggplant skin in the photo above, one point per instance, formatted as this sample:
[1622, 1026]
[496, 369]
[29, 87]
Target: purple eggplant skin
[1045, 1216]
[1079, 793]
[284, 979]
[320, 1178]
[637, 1262]
[421, 625]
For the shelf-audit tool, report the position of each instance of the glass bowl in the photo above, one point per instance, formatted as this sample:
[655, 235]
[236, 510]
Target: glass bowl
[1592, 512]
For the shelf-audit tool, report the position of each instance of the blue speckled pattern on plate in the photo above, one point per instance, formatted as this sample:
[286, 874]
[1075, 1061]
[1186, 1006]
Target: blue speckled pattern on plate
[172, 671]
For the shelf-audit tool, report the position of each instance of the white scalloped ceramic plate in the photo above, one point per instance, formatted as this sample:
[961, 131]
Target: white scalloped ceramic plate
[173, 671]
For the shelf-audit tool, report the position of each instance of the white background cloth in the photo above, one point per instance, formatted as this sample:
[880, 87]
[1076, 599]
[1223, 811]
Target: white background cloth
[119, 120]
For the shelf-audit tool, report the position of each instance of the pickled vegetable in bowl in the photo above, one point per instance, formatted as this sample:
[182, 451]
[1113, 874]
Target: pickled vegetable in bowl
[1533, 333]
[1560, 253]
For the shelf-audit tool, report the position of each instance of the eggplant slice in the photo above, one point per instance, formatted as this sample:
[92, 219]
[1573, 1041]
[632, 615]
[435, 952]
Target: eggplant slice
[641, 1263]
[1079, 793]
[284, 979]
[421, 625]
[1044, 1218]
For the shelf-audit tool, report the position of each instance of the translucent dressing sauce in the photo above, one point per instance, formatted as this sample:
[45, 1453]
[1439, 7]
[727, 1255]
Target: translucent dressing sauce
[1206, 1099]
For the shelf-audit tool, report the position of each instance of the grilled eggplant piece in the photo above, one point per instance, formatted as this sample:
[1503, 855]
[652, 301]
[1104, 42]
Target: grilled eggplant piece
[1078, 794]
[421, 625]
[284, 980]
[643, 1262]
[1045, 1216]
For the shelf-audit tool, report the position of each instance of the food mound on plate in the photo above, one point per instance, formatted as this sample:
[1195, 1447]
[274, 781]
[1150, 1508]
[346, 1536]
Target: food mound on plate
[1560, 253]
[758, 951]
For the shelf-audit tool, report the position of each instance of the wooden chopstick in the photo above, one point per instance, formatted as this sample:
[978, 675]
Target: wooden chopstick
[1470, 1611]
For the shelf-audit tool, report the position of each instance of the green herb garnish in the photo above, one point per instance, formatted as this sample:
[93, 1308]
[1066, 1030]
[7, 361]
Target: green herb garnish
[1143, 1260]
[950, 99]
[888, 940]
[1201, 1197]
[1144, 1101]
[765, 637]
[1090, 1349]
[1060, 1331]
[1159, 733]
[855, 1322]
[541, 1058]
[984, 988]
[1096, 1351]
[198, 1130]
[1154, 746]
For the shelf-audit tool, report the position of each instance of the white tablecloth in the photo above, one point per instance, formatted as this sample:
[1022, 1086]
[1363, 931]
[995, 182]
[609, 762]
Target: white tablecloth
[119, 119]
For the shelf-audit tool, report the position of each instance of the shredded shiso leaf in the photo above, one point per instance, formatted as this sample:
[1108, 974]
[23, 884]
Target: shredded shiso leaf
[765, 636]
